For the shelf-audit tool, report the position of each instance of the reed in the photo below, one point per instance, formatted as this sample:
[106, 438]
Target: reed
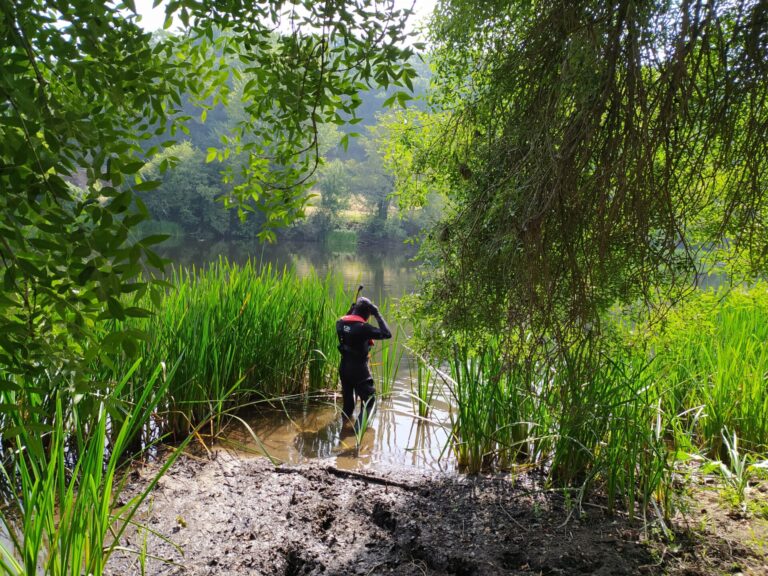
[712, 356]
[62, 518]
[589, 417]
[243, 333]
[387, 356]
[611, 430]
[492, 415]
[423, 385]
[616, 411]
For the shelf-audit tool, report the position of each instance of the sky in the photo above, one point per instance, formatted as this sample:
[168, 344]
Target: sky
[153, 18]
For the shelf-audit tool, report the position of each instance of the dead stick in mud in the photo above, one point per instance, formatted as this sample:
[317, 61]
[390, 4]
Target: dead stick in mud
[367, 478]
[351, 475]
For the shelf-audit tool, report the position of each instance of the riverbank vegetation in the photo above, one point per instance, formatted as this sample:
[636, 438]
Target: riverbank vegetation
[92, 117]
[665, 395]
[241, 334]
[578, 170]
[597, 164]
[350, 191]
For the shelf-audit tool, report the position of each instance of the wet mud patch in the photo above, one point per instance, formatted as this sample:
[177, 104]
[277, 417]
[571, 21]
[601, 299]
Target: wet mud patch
[242, 516]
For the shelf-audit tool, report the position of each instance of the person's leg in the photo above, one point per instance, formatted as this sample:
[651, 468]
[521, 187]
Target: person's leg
[367, 393]
[348, 399]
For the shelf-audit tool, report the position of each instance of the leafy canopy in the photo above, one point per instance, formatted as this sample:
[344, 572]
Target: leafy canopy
[87, 98]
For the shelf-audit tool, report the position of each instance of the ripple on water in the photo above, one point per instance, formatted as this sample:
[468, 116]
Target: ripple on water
[313, 430]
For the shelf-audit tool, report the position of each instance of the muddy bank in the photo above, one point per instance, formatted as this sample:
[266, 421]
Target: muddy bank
[241, 516]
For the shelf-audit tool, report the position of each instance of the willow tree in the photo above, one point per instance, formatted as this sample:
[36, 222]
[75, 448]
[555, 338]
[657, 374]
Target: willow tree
[595, 152]
[84, 91]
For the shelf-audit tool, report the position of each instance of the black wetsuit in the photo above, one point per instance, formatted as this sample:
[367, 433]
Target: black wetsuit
[356, 337]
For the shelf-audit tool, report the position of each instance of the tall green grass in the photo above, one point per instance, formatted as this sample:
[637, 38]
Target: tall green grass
[64, 485]
[424, 384]
[616, 411]
[589, 418]
[708, 365]
[609, 429]
[219, 339]
[493, 412]
[243, 333]
[387, 355]
[712, 354]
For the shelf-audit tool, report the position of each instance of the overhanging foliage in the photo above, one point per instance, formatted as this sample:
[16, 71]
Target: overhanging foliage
[595, 152]
[83, 92]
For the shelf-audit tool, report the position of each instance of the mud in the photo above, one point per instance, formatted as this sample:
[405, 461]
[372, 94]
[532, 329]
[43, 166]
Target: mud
[230, 515]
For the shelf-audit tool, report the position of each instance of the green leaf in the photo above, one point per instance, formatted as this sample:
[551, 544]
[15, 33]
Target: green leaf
[9, 279]
[211, 155]
[115, 308]
[9, 386]
[154, 239]
[136, 312]
[132, 167]
[130, 348]
[156, 296]
[86, 274]
[28, 427]
[147, 186]
[155, 260]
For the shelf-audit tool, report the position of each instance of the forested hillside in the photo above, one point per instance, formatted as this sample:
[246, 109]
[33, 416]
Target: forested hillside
[350, 180]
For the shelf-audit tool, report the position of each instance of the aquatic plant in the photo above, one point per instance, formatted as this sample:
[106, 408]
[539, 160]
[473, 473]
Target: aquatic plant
[423, 385]
[711, 353]
[387, 355]
[245, 333]
[65, 515]
[616, 412]
[491, 413]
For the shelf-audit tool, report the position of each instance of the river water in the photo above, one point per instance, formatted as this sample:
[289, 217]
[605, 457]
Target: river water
[300, 430]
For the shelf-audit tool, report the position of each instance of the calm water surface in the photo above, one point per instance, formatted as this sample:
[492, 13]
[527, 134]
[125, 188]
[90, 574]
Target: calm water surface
[299, 431]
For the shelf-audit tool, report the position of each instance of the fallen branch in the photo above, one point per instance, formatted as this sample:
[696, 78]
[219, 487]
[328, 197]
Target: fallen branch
[350, 474]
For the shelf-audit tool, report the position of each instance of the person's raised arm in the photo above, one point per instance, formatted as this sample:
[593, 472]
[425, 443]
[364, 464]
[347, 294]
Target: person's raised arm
[383, 328]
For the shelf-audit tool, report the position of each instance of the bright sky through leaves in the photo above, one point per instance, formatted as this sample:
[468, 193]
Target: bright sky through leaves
[153, 18]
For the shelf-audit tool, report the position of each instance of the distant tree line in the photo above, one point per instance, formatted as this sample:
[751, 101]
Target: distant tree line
[191, 190]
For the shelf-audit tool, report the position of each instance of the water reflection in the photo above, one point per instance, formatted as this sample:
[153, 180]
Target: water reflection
[385, 270]
[296, 433]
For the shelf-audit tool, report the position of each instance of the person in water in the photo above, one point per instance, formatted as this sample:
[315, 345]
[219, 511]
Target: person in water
[356, 336]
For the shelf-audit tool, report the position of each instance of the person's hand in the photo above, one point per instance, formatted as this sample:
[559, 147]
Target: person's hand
[371, 306]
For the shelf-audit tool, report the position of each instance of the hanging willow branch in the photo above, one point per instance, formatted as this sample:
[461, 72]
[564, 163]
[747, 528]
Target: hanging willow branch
[600, 152]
